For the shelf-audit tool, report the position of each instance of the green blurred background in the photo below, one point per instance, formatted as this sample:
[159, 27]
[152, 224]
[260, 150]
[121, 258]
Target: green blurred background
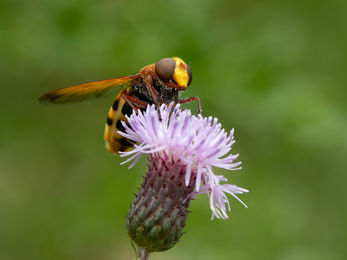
[273, 70]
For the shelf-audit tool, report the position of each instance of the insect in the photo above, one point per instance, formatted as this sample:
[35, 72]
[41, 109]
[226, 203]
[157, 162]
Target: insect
[157, 84]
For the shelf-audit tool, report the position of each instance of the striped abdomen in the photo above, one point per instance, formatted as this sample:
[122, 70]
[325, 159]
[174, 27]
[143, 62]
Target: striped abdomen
[116, 143]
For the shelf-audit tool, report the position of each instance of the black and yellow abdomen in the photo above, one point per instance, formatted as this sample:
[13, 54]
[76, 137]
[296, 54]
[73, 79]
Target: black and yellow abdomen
[116, 143]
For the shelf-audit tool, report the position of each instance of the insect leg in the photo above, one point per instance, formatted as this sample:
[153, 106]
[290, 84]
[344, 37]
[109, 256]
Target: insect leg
[152, 91]
[190, 99]
[134, 102]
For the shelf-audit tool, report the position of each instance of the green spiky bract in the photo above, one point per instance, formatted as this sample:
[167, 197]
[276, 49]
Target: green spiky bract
[159, 212]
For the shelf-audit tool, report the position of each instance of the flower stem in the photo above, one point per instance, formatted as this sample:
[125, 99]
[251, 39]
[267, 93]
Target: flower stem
[142, 254]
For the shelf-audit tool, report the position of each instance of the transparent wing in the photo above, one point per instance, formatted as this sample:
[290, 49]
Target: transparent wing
[85, 91]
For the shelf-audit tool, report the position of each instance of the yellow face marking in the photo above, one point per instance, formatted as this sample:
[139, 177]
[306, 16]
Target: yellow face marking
[180, 73]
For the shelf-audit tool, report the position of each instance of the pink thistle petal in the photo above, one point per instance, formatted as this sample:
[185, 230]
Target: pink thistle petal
[194, 143]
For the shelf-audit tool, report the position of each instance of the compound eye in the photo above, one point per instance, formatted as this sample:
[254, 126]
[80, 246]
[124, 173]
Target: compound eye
[165, 69]
[190, 75]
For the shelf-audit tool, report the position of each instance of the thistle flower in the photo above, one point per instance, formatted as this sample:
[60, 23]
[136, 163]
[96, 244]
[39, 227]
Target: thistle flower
[183, 149]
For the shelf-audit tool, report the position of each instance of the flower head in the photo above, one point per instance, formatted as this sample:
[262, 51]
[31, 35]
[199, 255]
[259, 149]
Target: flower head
[193, 143]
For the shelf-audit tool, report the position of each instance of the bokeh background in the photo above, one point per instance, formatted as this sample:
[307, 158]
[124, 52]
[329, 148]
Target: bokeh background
[273, 70]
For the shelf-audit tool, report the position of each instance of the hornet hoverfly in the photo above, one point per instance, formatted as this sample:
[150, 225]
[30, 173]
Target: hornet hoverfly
[157, 84]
